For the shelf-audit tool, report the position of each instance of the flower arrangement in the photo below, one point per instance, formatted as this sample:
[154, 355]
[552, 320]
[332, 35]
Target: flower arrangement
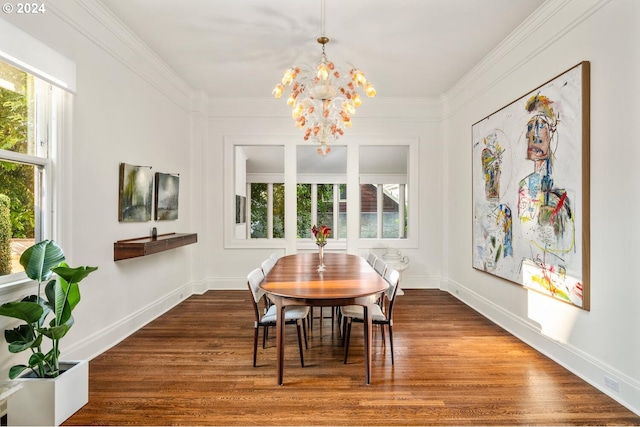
[321, 234]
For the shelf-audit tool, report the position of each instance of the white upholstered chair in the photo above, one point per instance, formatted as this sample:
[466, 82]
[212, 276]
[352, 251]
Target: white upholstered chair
[371, 258]
[355, 313]
[267, 265]
[293, 315]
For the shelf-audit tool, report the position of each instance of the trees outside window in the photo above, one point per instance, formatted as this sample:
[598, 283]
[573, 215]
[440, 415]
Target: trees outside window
[267, 207]
[25, 119]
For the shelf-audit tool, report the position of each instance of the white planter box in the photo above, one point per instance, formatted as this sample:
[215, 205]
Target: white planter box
[50, 401]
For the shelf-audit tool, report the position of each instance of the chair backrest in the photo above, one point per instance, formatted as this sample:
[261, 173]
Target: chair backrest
[274, 257]
[392, 276]
[267, 265]
[380, 266]
[371, 258]
[253, 280]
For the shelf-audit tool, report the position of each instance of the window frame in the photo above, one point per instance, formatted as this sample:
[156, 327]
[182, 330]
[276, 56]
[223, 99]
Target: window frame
[47, 104]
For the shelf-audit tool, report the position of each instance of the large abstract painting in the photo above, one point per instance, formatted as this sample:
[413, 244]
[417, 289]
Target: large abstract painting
[167, 195]
[531, 189]
[136, 191]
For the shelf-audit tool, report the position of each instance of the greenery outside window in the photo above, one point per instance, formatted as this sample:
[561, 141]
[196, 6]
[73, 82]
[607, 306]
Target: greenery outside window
[328, 202]
[267, 211]
[26, 117]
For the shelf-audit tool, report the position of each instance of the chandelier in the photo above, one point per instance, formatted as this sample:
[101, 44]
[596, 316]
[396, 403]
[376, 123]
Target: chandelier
[323, 98]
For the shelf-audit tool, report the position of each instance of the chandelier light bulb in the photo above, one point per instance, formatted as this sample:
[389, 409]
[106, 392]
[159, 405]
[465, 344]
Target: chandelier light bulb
[278, 90]
[370, 90]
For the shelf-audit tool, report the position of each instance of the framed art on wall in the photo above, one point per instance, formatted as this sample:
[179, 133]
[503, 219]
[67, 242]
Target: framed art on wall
[167, 196]
[530, 179]
[135, 193]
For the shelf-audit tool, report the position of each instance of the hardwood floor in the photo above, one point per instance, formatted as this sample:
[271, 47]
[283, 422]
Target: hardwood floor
[193, 366]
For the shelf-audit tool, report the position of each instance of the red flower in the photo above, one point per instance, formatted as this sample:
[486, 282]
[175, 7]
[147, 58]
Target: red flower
[321, 233]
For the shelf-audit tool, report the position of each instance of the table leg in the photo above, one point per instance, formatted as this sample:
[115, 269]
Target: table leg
[280, 340]
[368, 337]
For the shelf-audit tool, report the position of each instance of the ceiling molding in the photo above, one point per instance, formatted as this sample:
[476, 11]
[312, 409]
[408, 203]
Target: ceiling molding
[404, 109]
[526, 39]
[99, 25]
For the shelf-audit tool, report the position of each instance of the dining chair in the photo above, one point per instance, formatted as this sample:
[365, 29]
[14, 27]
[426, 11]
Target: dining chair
[355, 313]
[371, 258]
[380, 266]
[274, 257]
[267, 265]
[293, 315]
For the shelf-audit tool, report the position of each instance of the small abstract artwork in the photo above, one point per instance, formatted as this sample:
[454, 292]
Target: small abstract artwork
[136, 192]
[530, 177]
[167, 195]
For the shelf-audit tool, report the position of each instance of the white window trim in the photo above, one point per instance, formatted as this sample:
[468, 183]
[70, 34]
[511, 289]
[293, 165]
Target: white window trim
[34, 57]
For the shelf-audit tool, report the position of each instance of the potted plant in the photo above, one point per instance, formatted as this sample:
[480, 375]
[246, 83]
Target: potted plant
[44, 369]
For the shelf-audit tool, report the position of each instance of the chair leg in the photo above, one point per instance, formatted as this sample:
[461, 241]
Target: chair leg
[348, 336]
[391, 340]
[300, 342]
[255, 345]
[304, 331]
[264, 337]
[344, 329]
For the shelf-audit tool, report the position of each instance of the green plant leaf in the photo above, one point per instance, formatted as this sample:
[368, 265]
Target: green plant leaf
[73, 275]
[28, 311]
[55, 332]
[45, 307]
[22, 338]
[36, 359]
[15, 371]
[39, 259]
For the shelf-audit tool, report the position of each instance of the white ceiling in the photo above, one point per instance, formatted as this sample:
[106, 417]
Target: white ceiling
[239, 48]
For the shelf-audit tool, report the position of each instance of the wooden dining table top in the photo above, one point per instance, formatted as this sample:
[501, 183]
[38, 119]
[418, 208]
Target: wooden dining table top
[345, 276]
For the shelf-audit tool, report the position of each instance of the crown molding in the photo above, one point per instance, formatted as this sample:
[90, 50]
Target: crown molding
[379, 108]
[99, 25]
[539, 31]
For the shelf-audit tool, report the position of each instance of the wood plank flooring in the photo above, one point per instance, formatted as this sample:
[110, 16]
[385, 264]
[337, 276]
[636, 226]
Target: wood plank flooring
[193, 366]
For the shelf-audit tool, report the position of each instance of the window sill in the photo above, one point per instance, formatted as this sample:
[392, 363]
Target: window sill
[14, 287]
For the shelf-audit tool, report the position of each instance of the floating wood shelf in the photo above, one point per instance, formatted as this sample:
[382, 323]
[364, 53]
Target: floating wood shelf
[142, 246]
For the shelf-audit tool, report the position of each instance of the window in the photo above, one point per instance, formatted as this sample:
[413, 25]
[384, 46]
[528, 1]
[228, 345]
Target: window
[383, 192]
[383, 211]
[328, 202]
[26, 116]
[362, 191]
[267, 211]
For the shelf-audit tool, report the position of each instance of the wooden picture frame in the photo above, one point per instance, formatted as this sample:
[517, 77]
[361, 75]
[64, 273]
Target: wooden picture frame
[530, 189]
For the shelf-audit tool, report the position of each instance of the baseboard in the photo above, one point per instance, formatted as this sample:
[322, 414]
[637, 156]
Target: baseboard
[104, 339]
[601, 376]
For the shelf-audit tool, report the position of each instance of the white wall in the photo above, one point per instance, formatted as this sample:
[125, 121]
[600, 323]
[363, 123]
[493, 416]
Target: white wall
[606, 339]
[128, 108]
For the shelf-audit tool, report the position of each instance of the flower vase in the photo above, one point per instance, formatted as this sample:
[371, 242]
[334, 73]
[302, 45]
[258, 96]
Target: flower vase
[321, 266]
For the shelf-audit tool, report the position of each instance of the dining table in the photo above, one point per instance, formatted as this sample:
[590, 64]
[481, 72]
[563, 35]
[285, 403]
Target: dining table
[346, 280]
